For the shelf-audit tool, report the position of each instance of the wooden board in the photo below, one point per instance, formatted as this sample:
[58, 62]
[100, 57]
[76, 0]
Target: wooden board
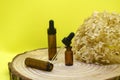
[79, 71]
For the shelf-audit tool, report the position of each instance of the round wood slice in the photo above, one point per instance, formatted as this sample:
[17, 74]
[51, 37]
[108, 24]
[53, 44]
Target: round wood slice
[79, 71]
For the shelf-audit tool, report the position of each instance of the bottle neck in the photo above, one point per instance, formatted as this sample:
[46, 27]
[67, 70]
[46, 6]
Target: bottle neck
[68, 48]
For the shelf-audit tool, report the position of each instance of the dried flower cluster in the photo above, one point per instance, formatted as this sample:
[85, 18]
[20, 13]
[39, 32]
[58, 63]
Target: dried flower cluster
[97, 40]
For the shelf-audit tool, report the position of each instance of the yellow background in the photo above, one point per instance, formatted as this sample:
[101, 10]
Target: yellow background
[24, 23]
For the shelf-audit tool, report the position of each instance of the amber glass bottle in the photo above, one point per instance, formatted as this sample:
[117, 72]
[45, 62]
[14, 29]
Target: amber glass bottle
[38, 64]
[68, 52]
[51, 40]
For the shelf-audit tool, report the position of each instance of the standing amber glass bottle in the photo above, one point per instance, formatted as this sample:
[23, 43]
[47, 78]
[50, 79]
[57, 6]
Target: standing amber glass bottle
[68, 56]
[68, 52]
[51, 40]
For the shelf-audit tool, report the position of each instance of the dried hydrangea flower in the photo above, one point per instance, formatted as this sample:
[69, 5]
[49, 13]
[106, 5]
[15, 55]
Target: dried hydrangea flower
[97, 40]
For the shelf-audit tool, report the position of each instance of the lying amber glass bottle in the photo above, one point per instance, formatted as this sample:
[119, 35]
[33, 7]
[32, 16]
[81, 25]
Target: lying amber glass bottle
[38, 64]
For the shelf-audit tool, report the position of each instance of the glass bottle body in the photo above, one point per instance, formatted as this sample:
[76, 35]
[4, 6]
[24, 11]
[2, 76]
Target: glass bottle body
[52, 50]
[68, 56]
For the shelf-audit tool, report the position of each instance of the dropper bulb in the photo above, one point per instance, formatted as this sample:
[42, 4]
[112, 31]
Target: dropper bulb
[51, 30]
[70, 36]
[51, 24]
[67, 40]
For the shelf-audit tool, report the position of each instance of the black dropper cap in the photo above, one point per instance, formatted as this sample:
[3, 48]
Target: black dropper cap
[51, 29]
[67, 40]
